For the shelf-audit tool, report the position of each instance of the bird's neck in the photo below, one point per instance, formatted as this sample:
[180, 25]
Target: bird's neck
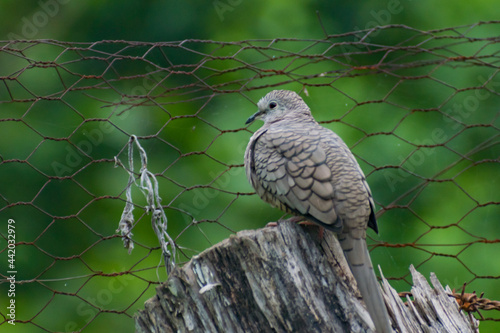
[295, 119]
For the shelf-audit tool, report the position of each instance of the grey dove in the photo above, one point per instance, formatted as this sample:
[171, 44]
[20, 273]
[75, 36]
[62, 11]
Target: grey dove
[304, 169]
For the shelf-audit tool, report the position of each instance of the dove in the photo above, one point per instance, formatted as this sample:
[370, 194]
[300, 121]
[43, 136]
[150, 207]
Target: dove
[306, 170]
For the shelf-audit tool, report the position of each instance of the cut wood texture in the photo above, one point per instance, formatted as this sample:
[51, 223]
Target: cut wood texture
[286, 279]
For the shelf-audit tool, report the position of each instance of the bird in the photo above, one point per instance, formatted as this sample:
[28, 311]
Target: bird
[306, 170]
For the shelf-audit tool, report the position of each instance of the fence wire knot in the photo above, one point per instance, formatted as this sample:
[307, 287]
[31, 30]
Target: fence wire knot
[150, 189]
[471, 302]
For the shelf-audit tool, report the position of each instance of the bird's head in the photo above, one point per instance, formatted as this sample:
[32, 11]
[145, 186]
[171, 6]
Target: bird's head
[278, 105]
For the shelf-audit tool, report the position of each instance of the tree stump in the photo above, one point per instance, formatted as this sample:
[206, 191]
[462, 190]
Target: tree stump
[285, 279]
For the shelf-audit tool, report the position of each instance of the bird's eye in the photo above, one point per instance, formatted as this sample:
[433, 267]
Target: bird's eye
[272, 105]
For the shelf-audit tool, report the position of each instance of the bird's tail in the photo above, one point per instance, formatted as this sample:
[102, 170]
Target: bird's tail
[359, 261]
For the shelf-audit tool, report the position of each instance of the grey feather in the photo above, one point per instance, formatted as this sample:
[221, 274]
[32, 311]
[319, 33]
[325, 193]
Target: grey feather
[307, 170]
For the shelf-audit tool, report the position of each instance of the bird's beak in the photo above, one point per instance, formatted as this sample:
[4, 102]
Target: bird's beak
[252, 117]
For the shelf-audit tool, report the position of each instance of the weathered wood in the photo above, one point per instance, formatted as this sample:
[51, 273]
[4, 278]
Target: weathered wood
[284, 279]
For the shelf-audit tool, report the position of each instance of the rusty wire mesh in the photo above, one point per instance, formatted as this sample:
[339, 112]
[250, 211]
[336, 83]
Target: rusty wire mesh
[419, 109]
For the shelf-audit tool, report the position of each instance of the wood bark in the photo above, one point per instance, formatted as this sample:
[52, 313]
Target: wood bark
[285, 279]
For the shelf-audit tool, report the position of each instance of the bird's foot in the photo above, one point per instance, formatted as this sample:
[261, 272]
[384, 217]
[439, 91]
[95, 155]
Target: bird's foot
[321, 230]
[293, 219]
[300, 220]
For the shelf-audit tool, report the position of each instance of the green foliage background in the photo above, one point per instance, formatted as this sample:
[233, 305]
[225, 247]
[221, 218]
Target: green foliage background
[80, 235]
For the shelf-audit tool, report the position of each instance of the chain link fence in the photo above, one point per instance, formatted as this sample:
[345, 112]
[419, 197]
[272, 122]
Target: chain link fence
[419, 109]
